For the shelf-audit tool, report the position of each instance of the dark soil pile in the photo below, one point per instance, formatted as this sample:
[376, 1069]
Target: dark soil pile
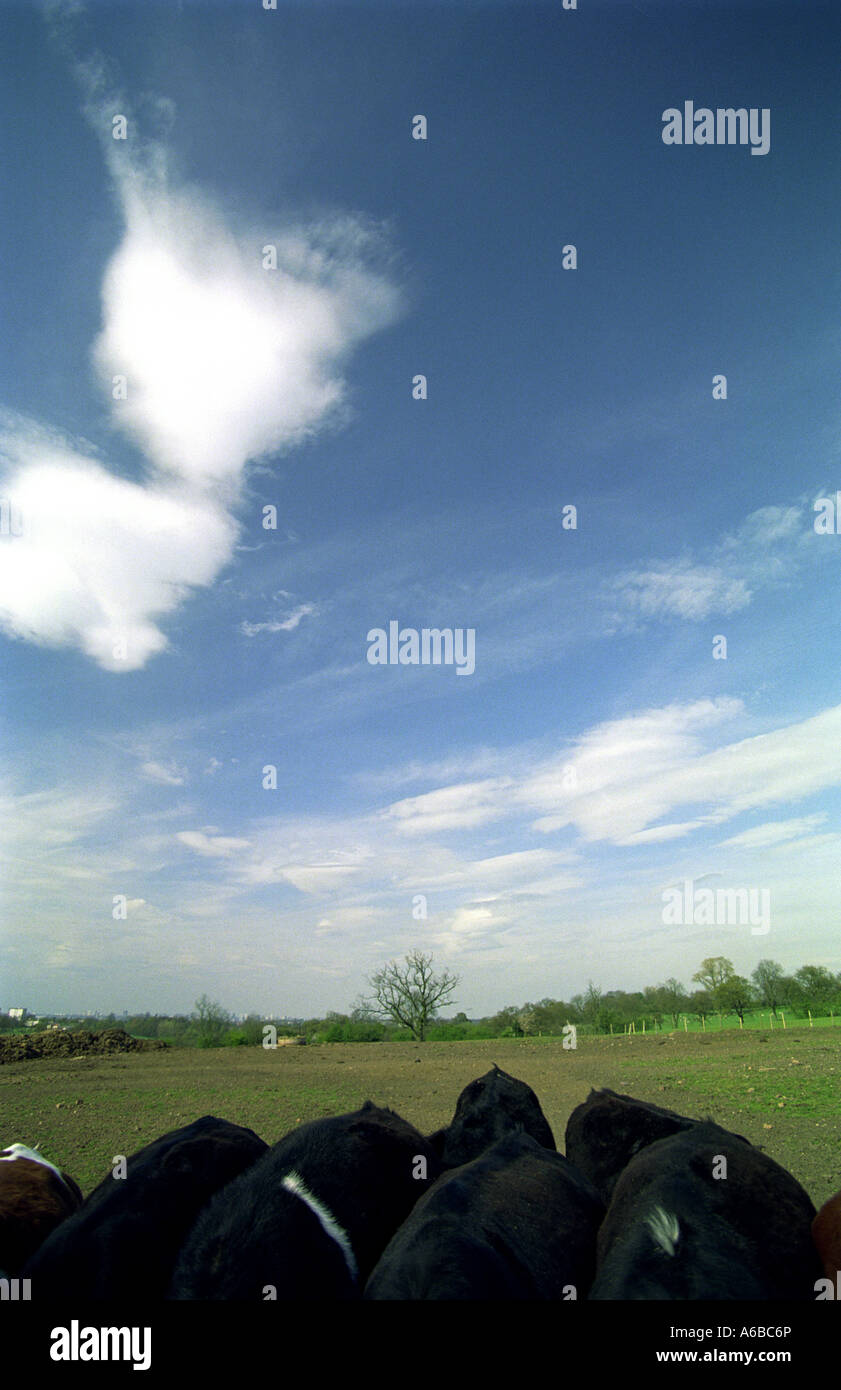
[19, 1047]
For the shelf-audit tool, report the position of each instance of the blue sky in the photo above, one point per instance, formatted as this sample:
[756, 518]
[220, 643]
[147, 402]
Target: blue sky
[161, 647]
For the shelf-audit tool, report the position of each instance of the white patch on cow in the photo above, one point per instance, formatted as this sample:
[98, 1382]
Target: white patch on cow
[293, 1182]
[21, 1151]
[664, 1228]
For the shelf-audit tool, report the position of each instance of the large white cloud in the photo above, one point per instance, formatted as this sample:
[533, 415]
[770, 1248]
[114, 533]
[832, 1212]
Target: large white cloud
[99, 558]
[223, 362]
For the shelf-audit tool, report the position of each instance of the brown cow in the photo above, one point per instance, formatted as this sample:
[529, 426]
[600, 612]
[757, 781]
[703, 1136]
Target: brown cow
[35, 1197]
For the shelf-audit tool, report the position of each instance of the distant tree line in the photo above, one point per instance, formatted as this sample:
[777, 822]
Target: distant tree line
[720, 991]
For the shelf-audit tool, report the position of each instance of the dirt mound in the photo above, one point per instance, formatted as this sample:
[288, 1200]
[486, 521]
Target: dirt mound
[19, 1047]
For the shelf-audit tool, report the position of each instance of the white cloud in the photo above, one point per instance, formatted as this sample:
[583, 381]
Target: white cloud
[473, 928]
[171, 776]
[611, 783]
[472, 921]
[308, 859]
[99, 557]
[657, 834]
[287, 624]
[525, 868]
[39, 822]
[227, 361]
[765, 527]
[317, 878]
[774, 832]
[762, 550]
[624, 780]
[684, 590]
[450, 808]
[632, 773]
[213, 846]
[224, 362]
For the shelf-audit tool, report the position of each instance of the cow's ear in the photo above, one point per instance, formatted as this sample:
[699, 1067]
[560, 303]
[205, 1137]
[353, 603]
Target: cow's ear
[437, 1141]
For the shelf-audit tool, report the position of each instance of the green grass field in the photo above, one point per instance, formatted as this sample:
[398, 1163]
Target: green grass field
[767, 1022]
[780, 1089]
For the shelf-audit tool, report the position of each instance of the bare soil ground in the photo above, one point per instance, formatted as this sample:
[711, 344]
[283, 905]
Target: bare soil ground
[19, 1047]
[781, 1090]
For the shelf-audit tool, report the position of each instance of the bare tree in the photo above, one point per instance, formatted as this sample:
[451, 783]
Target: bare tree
[361, 1011]
[673, 999]
[411, 994]
[767, 977]
[592, 1002]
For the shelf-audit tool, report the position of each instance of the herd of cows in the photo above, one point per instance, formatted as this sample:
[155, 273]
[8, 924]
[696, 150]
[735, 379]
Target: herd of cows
[644, 1204]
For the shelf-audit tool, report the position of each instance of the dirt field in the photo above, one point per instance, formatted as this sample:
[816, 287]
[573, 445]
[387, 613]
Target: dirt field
[781, 1090]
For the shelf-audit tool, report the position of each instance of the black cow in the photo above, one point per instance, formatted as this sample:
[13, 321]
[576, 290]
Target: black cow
[123, 1242]
[605, 1132]
[494, 1105]
[680, 1226]
[519, 1222]
[311, 1219]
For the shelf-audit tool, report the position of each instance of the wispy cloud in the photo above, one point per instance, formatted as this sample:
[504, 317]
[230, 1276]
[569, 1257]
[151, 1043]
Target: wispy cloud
[171, 776]
[763, 549]
[287, 624]
[450, 808]
[212, 846]
[684, 590]
[39, 822]
[775, 832]
[623, 779]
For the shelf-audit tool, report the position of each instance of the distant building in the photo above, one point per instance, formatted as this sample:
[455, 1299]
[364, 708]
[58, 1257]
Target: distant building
[19, 1014]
